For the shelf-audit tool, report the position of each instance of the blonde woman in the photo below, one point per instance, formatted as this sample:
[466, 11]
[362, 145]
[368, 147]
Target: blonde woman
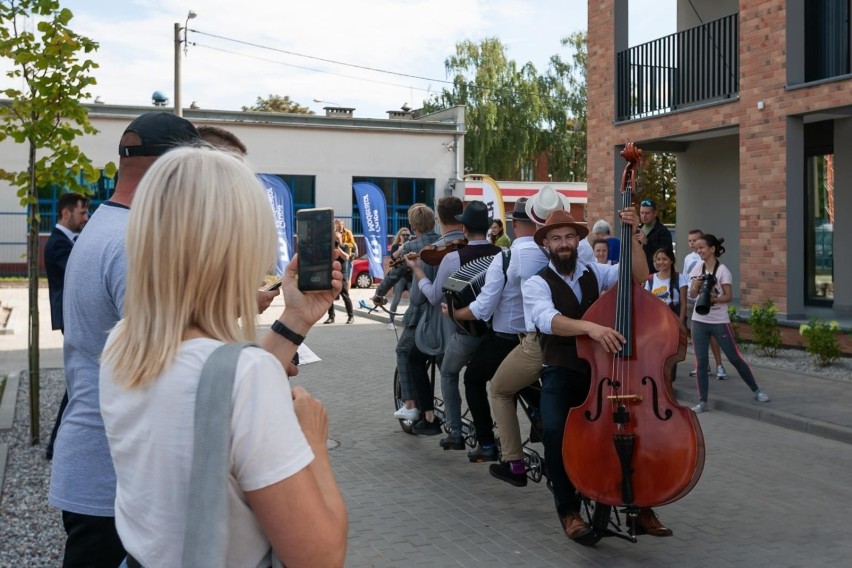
[199, 238]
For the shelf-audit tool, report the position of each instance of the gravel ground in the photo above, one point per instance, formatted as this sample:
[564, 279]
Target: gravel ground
[31, 532]
[799, 361]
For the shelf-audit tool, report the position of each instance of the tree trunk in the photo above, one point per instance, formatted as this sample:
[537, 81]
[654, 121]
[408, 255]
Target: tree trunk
[32, 273]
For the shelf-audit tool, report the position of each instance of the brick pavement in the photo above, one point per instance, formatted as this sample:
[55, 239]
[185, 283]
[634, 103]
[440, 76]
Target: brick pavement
[768, 496]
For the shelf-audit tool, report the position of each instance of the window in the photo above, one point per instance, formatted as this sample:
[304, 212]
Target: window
[819, 250]
[400, 194]
[303, 189]
[99, 191]
[826, 39]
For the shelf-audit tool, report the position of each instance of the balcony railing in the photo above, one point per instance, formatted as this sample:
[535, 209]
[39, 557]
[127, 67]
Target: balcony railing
[688, 68]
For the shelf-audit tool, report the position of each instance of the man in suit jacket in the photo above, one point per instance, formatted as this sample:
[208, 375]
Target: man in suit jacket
[73, 211]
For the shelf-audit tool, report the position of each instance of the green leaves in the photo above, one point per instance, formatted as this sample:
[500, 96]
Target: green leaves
[514, 116]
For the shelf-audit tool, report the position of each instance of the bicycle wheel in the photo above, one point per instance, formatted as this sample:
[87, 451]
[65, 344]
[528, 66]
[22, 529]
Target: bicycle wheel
[406, 425]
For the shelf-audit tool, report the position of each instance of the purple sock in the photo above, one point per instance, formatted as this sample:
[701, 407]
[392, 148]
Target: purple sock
[517, 467]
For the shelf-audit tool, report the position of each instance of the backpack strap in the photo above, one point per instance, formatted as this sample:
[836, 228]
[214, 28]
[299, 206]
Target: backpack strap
[205, 537]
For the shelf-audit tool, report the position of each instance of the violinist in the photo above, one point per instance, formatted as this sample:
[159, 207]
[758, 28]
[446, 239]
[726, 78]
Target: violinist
[475, 222]
[557, 297]
[421, 219]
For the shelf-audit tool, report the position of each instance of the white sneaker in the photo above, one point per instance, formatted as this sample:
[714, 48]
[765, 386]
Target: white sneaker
[407, 414]
[700, 407]
[391, 326]
[761, 396]
[721, 374]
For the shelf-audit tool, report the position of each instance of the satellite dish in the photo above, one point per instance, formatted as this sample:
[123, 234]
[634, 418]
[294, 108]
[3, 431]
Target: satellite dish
[159, 99]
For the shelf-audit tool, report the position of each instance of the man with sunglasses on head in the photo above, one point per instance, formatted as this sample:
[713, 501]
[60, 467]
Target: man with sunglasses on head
[652, 234]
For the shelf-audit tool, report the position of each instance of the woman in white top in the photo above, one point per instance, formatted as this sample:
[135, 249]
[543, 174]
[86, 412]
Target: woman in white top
[669, 286]
[716, 323]
[199, 238]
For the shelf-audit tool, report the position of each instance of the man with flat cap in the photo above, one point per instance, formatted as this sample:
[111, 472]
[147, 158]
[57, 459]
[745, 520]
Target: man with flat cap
[476, 222]
[82, 482]
[557, 297]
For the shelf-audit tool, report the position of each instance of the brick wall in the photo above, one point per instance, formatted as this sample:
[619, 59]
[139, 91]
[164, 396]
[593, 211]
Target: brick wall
[762, 166]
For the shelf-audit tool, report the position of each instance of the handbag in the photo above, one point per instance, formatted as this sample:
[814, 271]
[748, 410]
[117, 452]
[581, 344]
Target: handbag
[205, 537]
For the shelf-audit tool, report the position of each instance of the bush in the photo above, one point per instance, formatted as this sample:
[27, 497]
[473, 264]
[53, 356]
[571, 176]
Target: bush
[821, 341]
[764, 326]
[734, 316]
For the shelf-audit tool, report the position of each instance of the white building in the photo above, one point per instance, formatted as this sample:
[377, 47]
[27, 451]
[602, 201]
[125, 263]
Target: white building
[412, 158]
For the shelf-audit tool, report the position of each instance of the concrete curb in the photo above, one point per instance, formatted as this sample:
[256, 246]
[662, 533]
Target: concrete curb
[775, 417]
[10, 396]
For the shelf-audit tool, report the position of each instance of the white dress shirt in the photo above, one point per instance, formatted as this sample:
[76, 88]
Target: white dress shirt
[434, 290]
[539, 303]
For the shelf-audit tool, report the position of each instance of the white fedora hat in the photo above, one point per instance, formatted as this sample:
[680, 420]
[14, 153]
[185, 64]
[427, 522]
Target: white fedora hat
[546, 201]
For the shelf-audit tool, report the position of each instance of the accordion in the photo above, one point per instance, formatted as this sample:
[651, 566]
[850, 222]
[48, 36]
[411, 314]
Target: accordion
[462, 288]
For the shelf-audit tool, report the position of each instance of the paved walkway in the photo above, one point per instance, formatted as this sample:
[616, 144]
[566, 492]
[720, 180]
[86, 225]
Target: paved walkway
[412, 504]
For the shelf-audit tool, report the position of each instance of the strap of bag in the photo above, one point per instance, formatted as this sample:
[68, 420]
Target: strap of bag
[205, 537]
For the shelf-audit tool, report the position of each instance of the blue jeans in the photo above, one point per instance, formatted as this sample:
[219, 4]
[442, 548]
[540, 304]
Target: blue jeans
[459, 349]
[701, 333]
[561, 389]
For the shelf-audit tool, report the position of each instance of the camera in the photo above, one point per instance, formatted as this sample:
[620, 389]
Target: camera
[704, 303]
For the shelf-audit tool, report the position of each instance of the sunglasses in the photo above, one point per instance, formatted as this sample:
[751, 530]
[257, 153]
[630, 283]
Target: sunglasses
[647, 203]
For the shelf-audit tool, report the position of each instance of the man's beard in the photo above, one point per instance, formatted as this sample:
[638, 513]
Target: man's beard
[564, 265]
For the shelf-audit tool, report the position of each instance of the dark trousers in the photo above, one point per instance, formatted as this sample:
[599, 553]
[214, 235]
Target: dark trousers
[344, 293]
[418, 369]
[482, 365]
[561, 389]
[92, 542]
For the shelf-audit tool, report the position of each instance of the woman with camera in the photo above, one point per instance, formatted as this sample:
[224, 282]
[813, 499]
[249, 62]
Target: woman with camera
[710, 286]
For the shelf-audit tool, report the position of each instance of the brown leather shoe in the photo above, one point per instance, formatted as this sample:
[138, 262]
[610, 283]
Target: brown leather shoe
[648, 523]
[574, 526]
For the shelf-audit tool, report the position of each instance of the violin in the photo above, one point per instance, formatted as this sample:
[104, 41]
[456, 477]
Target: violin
[431, 254]
[630, 443]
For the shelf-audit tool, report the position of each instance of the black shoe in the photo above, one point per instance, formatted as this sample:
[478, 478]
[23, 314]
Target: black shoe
[329, 320]
[426, 428]
[480, 454]
[351, 319]
[452, 442]
[503, 472]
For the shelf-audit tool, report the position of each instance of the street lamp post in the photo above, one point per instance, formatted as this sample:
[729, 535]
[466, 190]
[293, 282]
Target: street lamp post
[178, 108]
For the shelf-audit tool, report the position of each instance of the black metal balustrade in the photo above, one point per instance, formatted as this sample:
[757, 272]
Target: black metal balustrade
[691, 67]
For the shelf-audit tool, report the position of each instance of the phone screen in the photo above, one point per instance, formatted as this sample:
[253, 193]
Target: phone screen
[314, 228]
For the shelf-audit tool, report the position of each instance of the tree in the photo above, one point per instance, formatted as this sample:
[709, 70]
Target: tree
[563, 139]
[658, 182]
[503, 107]
[277, 103]
[47, 115]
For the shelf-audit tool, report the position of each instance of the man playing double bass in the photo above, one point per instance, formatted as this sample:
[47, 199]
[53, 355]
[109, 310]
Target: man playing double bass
[557, 297]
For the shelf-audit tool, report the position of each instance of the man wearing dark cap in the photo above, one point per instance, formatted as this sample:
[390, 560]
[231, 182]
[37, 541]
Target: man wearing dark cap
[476, 222]
[557, 298]
[501, 302]
[82, 482]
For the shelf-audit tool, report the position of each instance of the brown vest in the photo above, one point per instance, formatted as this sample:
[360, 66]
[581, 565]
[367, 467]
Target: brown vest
[558, 350]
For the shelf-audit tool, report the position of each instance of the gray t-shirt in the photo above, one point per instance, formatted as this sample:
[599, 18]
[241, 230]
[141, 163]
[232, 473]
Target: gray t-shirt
[82, 479]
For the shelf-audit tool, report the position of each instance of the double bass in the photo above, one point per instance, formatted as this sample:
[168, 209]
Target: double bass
[630, 443]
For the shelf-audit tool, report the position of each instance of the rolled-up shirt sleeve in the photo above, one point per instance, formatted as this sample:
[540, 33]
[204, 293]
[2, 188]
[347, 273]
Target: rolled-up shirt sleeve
[489, 296]
[538, 303]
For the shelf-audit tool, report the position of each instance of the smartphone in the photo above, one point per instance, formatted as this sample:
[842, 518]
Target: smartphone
[274, 286]
[315, 229]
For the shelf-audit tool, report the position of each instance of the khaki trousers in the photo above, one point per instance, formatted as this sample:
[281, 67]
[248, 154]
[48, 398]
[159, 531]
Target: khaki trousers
[520, 368]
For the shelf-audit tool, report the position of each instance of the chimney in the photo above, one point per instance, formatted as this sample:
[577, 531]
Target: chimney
[339, 112]
[400, 115]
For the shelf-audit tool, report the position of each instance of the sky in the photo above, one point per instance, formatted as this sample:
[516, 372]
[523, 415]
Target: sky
[407, 37]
